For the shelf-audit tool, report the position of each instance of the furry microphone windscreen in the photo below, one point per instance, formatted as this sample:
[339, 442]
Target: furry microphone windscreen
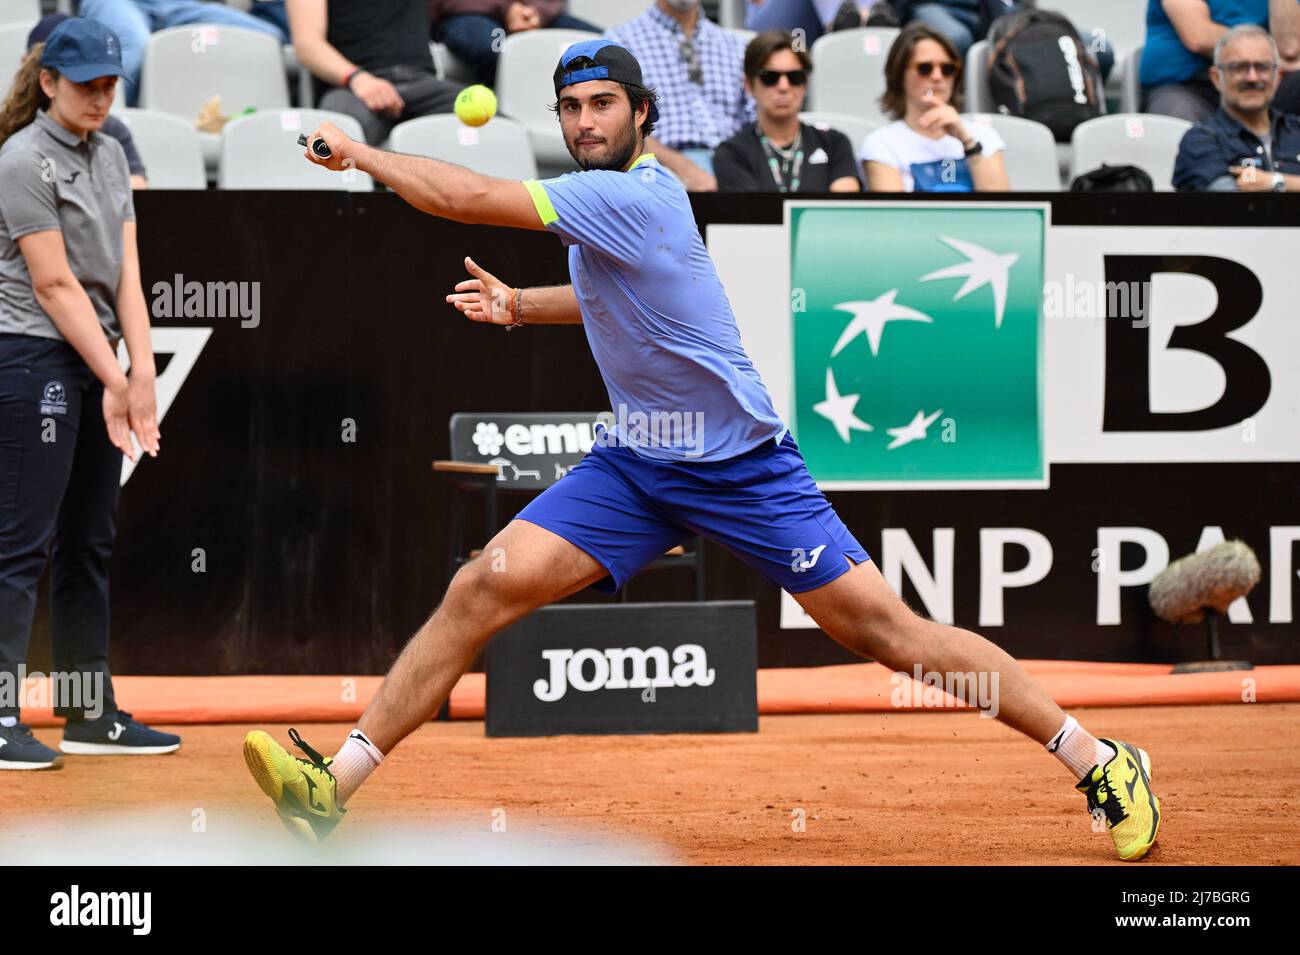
[1212, 578]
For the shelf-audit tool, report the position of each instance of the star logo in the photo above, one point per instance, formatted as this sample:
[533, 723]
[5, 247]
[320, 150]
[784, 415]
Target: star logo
[838, 410]
[982, 267]
[871, 317]
[914, 430]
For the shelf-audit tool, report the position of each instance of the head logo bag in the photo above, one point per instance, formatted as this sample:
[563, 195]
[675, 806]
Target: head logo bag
[1039, 69]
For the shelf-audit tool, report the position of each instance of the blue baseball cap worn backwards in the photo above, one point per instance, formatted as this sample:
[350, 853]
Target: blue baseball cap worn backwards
[610, 61]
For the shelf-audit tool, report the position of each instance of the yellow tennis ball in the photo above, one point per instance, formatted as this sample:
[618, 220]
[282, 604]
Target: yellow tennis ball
[475, 105]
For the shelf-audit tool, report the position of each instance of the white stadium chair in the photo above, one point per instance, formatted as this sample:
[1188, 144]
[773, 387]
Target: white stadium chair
[260, 151]
[975, 79]
[849, 71]
[170, 148]
[1030, 156]
[13, 47]
[744, 35]
[1122, 24]
[24, 13]
[731, 13]
[449, 66]
[609, 13]
[186, 66]
[498, 148]
[1130, 83]
[524, 91]
[1130, 139]
[854, 127]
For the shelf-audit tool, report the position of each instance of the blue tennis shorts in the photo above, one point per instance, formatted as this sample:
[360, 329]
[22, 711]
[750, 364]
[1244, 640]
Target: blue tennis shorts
[763, 506]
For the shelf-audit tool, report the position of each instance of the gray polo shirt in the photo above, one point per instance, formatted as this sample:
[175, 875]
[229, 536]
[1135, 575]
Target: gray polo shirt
[52, 179]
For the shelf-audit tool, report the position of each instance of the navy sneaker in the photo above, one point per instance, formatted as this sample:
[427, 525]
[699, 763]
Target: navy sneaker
[19, 749]
[115, 734]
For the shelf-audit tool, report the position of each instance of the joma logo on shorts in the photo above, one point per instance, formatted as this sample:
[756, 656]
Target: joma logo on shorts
[612, 665]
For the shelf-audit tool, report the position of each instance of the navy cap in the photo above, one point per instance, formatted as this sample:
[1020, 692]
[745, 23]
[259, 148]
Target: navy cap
[82, 50]
[44, 28]
[611, 61]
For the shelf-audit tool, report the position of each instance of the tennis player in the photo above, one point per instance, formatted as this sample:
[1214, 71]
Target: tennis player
[666, 342]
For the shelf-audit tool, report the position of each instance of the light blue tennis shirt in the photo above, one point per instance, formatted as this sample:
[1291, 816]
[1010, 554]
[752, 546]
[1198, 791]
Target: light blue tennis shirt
[681, 387]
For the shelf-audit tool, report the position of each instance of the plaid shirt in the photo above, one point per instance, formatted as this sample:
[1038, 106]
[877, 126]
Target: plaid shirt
[690, 113]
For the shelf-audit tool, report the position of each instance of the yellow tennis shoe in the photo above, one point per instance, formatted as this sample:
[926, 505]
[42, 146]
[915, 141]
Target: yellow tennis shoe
[303, 790]
[1121, 792]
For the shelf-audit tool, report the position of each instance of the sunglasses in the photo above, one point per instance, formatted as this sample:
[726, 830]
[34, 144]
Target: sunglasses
[772, 77]
[949, 70]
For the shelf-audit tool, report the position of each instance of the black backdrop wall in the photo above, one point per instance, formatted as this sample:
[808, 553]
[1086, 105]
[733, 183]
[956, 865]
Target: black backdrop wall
[323, 555]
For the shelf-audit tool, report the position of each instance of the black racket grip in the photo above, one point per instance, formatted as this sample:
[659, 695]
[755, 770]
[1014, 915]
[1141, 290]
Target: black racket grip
[319, 146]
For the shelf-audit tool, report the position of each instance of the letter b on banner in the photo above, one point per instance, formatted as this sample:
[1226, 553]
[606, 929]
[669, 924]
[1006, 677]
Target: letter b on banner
[1128, 344]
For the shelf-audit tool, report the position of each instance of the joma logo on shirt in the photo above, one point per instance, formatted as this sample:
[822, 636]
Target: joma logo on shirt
[611, 670]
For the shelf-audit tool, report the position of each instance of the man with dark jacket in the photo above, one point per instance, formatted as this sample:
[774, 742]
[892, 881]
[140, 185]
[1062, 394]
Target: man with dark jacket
[372, 58]
[474, 29]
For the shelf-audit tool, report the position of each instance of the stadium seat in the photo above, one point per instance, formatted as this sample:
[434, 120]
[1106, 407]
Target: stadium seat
[854, 127]
[13, 47]
[260, 151]
[745, 35]
[499, 148]
[731, 13]
[1130, 86]
[170, 149]
[975, 79]
[450, 67]
[1121, 24]
[524, 58]
[186, 66]
[1030, 157]
[1137, 139]
[849, 71]
[609, 13]
[25, 13]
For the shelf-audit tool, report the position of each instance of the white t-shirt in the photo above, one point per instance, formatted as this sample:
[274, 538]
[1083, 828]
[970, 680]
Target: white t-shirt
[939, 164]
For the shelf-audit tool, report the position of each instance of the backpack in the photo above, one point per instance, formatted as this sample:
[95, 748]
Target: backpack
[1040, 70]
[1113, 179]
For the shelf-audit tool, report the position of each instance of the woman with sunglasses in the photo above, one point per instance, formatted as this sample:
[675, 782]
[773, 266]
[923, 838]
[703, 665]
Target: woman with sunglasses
[928, 148]
[777, 153]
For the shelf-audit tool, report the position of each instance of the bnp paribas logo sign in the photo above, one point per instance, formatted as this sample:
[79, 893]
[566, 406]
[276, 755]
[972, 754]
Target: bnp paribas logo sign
[916, 343]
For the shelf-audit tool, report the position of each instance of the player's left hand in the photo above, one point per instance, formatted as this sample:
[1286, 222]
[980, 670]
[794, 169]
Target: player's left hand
[483, 298]
[342, 148]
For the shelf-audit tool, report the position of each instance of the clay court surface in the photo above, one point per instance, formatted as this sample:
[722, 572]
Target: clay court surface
[890, 788]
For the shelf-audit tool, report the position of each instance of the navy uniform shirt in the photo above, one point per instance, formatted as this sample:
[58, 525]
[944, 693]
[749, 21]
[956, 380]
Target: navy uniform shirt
[1209, 149]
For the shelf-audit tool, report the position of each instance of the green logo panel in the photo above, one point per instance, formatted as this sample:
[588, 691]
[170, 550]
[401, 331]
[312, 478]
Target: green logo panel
[916, 342]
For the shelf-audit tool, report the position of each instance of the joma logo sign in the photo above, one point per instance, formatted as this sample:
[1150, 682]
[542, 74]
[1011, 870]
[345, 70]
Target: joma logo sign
[622, 668]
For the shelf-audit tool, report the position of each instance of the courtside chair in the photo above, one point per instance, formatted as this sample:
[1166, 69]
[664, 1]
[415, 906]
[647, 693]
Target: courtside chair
[1144, 140]
[261, 151]
[854, 127]
[170, 149]
[524, 91]
[1030, 156]
[13, 47]
[185, 66]
[607, 14]
[849, 71]
[23, 13]
[1130, 82]
[500, 148]
[481, 463]
[1121, 24]
[975, 79]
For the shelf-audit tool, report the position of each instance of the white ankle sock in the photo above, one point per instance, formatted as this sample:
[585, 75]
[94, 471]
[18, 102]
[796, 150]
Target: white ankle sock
[1078, 749]
[353, 763]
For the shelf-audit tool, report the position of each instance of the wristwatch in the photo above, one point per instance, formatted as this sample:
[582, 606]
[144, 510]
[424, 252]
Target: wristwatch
[973, 150]
[1279, 182]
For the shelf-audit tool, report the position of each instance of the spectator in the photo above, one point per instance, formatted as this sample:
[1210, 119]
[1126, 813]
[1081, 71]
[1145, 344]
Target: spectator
[134, 20]
[1246, 146]
[810, 19]
[698, 70]
[69, 294]
[777, 153]
[473, 29]
[928, 148]
[1181, 37]
[112, 125]
[961, 21]
[375, 55]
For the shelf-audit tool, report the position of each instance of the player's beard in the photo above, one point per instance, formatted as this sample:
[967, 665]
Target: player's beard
[617, 155]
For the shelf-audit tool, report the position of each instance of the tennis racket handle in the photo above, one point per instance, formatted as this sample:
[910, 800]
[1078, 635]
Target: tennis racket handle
[319, 146]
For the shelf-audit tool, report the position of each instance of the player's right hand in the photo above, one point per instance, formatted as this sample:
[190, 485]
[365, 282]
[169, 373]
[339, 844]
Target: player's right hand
[483, 298]
[341, 148]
